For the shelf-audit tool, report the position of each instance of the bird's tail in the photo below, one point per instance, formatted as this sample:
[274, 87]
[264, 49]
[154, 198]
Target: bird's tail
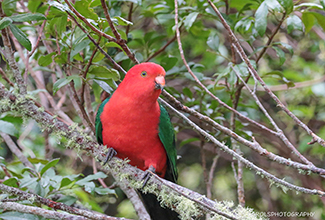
[155, 210]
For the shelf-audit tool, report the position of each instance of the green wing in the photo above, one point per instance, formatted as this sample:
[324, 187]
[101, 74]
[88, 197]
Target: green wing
[167, 137]
[98, 123]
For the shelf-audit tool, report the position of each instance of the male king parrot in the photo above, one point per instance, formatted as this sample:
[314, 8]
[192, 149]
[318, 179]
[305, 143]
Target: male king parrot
[137, 127]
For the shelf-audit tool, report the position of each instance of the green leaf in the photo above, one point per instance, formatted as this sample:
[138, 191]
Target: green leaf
[189, 20]
[33, 5]
[286, 46]
[59, 6]
[273, 5]
[13, 181]
[280, 75]
[113, 44]
[62, 82]
[188, 92]
[287, 5]
[104, 72]
[308, 19]
[320, 19]
[58, 24]
[21, 37]
[5, 22]
[168, 62]
[187, 141]
[8, 128]
[308, 5]
[122, 21]
[83, 7]
[261, 19]
[79, 47]
[280, 54]
[322, 2]
[46, 60]
[90, 178]
[104, 86]
[50, 164]
[104, 191]
[294, 23]
[37, 160]
[213, 42]
[27, 17]
[9, 6]
[68, 200]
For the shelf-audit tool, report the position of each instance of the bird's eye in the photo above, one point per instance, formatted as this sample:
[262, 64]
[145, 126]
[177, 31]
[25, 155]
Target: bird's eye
[144, 74]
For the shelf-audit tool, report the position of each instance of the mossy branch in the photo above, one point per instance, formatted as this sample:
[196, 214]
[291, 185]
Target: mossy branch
[170, 194]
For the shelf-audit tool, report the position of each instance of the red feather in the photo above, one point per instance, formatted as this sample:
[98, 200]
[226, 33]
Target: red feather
[130, 119]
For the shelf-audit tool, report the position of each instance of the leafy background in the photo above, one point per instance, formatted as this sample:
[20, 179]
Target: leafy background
[283, 39]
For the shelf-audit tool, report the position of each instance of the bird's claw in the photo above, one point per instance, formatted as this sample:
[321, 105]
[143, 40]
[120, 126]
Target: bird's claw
[110, 154]
[148, 173]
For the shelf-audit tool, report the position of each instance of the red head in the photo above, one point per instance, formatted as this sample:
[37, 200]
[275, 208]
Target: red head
[145, 79]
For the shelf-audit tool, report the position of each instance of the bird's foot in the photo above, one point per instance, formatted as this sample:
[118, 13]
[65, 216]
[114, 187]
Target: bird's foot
[148, 173]
[110, 154]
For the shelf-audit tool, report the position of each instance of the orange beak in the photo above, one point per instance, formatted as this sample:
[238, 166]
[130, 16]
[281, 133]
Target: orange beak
[160, 82]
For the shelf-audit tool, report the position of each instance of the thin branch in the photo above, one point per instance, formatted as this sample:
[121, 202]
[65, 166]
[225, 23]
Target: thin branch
[15, 150]
[82, 112]
[119, 39]
[55, 205]
[161, 49]
[4, 76]
[115, 65]
[212, 169]
[248, 164]
[129, 19]
[48, 214]
[270, 39]
[282, 136]
[256, 77]
[254, 145]
[110, 38]
[84, 75]
[9, 55]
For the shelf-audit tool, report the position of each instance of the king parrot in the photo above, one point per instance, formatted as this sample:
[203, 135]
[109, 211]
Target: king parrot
[137, 127]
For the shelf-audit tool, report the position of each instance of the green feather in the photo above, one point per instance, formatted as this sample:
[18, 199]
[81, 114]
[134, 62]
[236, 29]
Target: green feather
[98, 123]
[167, 137]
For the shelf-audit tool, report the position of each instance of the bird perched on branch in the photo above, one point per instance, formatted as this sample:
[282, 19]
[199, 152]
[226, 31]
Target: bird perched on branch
[133, 125]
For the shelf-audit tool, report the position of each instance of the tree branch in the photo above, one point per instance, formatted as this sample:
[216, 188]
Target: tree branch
[55, 205]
